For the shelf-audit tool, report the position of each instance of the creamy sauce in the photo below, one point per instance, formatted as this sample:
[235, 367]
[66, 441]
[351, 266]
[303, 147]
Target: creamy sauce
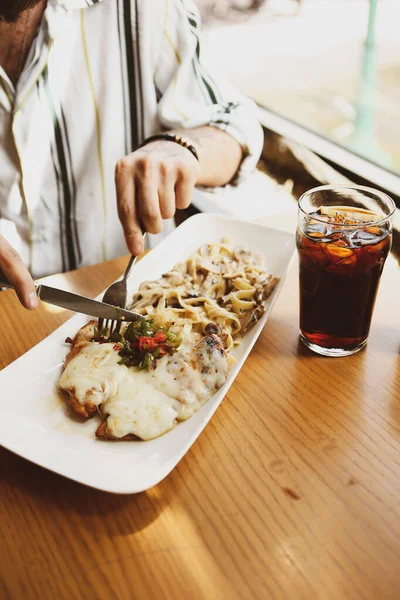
[144, 403]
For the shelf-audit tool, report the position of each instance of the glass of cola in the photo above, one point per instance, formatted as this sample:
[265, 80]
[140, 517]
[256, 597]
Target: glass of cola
[343, 237]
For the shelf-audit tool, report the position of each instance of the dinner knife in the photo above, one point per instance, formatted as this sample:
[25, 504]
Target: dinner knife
[77, 303]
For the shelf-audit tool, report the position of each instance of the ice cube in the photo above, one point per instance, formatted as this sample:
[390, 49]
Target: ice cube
[362, 237]
[373, 230]
[339, 254]
[314, 229]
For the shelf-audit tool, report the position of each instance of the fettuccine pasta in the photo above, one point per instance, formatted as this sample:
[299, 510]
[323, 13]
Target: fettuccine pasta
[219, 284]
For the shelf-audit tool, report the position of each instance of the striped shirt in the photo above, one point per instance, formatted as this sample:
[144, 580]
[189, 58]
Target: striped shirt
[100, 77]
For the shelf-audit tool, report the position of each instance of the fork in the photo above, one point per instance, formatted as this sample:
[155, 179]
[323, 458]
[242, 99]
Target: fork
[116, 295]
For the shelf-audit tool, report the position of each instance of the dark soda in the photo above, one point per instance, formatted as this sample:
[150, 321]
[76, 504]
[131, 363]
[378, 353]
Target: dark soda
[340, 269]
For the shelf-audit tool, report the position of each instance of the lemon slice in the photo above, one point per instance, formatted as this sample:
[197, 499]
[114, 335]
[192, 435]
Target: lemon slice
[341, 214]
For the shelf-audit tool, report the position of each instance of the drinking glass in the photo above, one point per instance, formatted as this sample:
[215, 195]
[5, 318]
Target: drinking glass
[343, 237]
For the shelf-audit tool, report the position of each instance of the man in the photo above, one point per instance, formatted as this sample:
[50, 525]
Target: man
[83, 84]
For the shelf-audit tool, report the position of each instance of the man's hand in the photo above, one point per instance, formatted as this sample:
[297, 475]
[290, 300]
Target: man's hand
[158, 178]
[151, 184]
[18, 275]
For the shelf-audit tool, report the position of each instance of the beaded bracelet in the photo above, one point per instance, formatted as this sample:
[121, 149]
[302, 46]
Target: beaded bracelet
[171, 137]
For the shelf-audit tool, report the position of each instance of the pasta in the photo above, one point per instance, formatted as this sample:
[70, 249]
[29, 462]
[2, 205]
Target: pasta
[160, 370]
[219, 284]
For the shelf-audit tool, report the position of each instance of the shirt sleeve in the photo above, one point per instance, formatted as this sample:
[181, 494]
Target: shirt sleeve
[190, 96]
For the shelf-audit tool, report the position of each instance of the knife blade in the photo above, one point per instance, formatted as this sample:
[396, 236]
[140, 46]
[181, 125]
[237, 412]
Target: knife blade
[77, 303]
[84, 305]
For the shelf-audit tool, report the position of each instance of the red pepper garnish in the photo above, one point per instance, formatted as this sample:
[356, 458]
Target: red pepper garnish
[143, 350]
[147, 343]
[160, 336]
[68, 340]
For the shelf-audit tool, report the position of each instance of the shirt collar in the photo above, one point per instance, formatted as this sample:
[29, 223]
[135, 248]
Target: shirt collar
[55, 20]
[71, 4]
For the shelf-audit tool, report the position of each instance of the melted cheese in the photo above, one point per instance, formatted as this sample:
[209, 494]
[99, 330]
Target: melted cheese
[148, 403]
[93, 375]
[144, 403]
[140, 409]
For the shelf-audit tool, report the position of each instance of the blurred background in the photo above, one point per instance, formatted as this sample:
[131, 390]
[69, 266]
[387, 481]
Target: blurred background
[331, 66]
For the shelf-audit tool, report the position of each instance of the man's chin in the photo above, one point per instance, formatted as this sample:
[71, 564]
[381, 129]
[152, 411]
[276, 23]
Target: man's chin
[10, 10]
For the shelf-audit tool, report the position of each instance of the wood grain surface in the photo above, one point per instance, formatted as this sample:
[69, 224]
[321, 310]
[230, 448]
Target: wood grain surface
[292, 490]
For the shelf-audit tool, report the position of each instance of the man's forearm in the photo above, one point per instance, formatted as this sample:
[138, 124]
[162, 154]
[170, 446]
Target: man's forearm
[219, 154]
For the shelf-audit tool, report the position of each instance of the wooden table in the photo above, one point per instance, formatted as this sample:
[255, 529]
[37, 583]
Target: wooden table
[292, 491]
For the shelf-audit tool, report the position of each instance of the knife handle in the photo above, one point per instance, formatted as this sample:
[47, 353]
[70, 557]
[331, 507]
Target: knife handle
[5, 283]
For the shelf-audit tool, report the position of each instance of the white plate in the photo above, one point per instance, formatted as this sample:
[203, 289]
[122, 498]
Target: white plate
[34, 423]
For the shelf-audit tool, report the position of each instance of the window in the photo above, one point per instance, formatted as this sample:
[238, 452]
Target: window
[330, 66]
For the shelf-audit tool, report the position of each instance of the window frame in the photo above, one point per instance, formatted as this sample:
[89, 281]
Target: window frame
[330, 150]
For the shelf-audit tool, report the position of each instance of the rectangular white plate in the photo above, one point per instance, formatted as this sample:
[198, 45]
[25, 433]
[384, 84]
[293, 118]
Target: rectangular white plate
[34, 422]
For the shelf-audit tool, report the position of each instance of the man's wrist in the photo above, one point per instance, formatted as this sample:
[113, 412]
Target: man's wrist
[174, 138]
